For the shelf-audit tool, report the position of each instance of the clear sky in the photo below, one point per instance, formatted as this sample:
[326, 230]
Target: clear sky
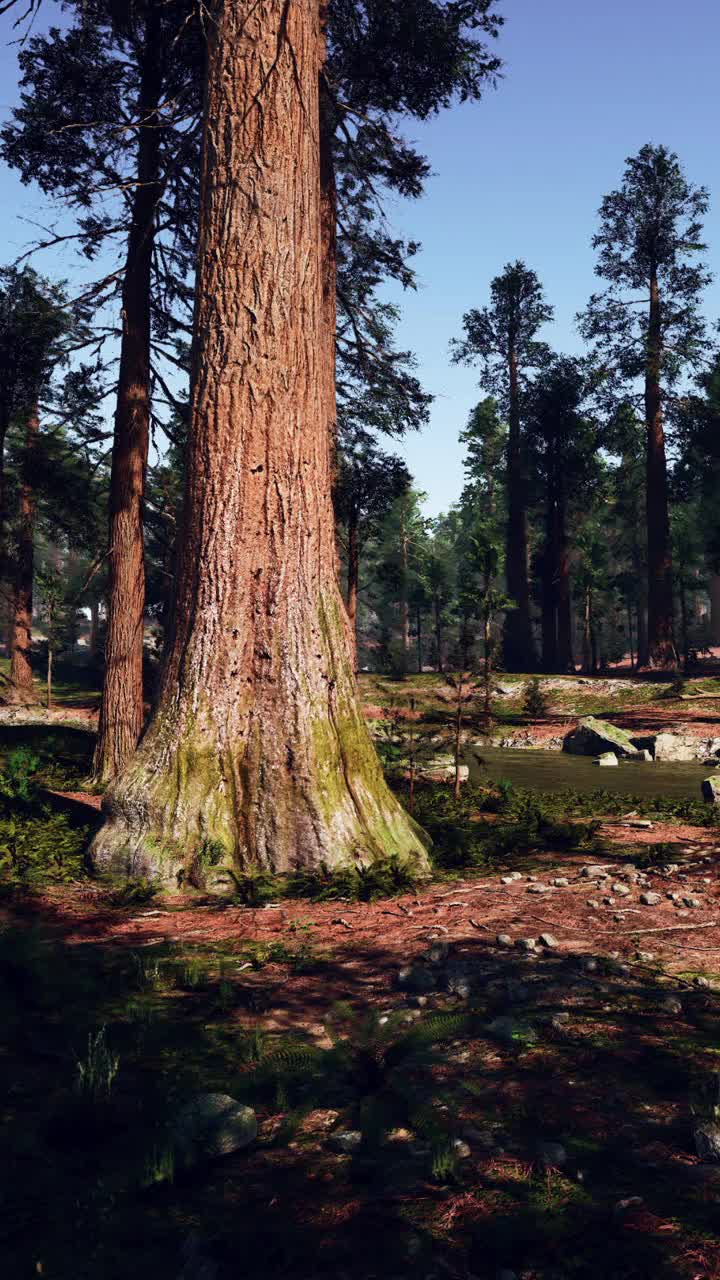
[519, 175]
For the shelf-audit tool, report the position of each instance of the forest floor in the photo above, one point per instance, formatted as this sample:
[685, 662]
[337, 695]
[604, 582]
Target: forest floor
[486, 1074]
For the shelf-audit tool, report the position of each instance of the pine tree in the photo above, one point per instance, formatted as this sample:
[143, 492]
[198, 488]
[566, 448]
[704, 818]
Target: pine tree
[648, 242]
[502, 337]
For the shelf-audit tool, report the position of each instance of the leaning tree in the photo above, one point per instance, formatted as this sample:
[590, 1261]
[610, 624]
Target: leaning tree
[257, 752]
[648, 242]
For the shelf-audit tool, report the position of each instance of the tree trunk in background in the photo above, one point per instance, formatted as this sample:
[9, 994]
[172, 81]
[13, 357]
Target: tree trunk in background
[715, 608]
[630, 636]
[257, 749]
[661, 646]
[122, 706]
[587, 645]
[418, 619]
[549, 585]
[518, 639]
[437, 612]
[353, 576]
[566, 656]
[94, 629]
[21, 688]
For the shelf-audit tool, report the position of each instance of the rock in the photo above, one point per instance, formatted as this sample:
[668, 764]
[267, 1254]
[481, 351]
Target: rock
[561, 882]
[526, 944]
[621, 889]
[413, 977]
[538, 888]
[461, 1149]
[593, 737]
[674, 747]
[700, 982]
[558, 1021]
[437, 952]
[692, 902]
[547, 940]
[671, 1005]
[592, 902]
[707, 1140]
[212, 1125]
[650, 899]
[711, 790]
[588, 964]
[507, 879]
[592, 873]
[504, 940]
[645, 956]
[442, 769]
[607, 760]
[551, 1155]
[345, 1141]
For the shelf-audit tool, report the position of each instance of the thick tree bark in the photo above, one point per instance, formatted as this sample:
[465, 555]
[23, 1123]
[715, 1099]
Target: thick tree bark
[518, 639]
[353, 576]
[21, 689]
[122, 707]
[419, 639]
[437, 613]
[661, 645]
[550, 573]
[257, 754]
[93, 638]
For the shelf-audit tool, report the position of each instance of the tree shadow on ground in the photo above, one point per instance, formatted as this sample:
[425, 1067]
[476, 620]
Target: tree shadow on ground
[567, 1081]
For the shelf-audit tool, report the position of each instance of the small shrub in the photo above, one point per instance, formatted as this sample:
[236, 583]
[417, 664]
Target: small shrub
[45, 848]
[535, 705]
[135, 892]
[250, 888]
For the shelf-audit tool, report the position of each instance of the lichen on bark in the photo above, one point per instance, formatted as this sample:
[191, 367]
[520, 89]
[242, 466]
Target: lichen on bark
[257, 744]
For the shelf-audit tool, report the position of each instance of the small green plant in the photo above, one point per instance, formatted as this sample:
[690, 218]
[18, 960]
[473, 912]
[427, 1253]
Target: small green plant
[17, 783]
[135, 892]
[251, 888]
[194, 974]
[97, 1071]
[535, 705]
[159, 1166]
[45, 848]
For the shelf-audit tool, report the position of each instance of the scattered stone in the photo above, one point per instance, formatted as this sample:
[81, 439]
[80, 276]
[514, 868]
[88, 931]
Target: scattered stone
[526, 944]
[345, 1141]
[639, 824]
[676, 748]
[507, 879]
[504, 940]
[561, 882]
[538, 888]
[671, 1005]
[700, 982]
[692, 902]
[592, 902]
[621, 889]
[608, 760]
[547, 940]
[645, 956]
[437, 952]
[609, 902]
[592, 873]
[559, 1020]
[551, 1155]
[461, 1149]
[212, 1125]
[413, 977]
[707, 1140]
[650, 899]
[632, 1202]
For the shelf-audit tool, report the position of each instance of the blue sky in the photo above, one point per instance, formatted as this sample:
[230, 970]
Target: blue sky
[519, 175]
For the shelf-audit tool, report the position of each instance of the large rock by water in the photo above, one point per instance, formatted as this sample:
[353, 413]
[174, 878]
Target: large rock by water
[711, 790]
[592, 737]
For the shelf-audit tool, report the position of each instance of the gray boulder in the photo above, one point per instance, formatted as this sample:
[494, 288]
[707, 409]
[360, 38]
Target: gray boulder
[711, 790]
[593, 737]
[707, 1140]
[210, 1126]
[675, 748]
[608, 760]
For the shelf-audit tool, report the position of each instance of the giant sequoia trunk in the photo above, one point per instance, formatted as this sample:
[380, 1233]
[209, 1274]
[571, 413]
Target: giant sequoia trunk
[353, 575]
[21, 689]
[122, 707]
[518, 638]
[566, 656]
[257, 753]
[661, 646]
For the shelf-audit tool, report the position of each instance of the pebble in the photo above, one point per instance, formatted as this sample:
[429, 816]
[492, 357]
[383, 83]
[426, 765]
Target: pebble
[645, 955]
[538, 888]
[461, 1149]
[559, 1020]
[504, 940]
[548, 940]
[692, 902]
[671, 1005]
[592, 902]
[621, 889]
[609, 902]
[561, 882]
[700, 982]
[650, 899]
[526, 944]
